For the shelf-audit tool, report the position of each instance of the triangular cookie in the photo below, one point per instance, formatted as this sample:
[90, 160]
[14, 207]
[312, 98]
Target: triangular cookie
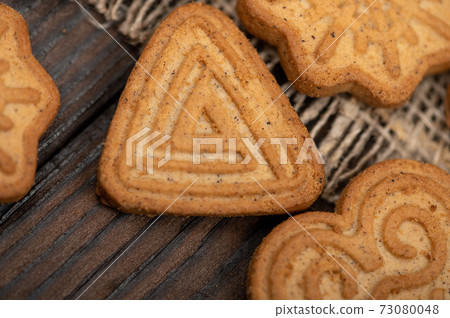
[377, 50]
[29, 100]
[199, 78]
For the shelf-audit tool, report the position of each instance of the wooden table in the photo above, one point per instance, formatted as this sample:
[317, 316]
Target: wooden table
[57, 242]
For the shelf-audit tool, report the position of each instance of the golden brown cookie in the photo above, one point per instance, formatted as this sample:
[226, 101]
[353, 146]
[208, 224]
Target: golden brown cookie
[199, 77]
[379, 57]
[29, 100]
[390, 233]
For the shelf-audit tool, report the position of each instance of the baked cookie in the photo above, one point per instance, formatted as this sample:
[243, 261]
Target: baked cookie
[328, 47]
[390, 233]
[200, 81]
[29, 100]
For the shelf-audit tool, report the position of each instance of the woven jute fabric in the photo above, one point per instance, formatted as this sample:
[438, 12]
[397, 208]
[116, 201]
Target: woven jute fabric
[350, 135]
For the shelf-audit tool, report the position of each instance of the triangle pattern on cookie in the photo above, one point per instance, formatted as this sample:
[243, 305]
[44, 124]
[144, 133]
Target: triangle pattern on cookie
[202, 117]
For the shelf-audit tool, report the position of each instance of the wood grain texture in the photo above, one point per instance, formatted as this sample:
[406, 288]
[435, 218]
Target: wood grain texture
[59, 239]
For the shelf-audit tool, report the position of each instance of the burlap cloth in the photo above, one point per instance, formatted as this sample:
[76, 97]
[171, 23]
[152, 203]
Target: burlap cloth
[350, 135]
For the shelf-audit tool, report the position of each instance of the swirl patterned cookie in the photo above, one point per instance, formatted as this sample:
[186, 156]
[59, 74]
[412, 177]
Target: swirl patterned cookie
[389, 238]
[376, 50]
[29, 100]
[199, 80]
